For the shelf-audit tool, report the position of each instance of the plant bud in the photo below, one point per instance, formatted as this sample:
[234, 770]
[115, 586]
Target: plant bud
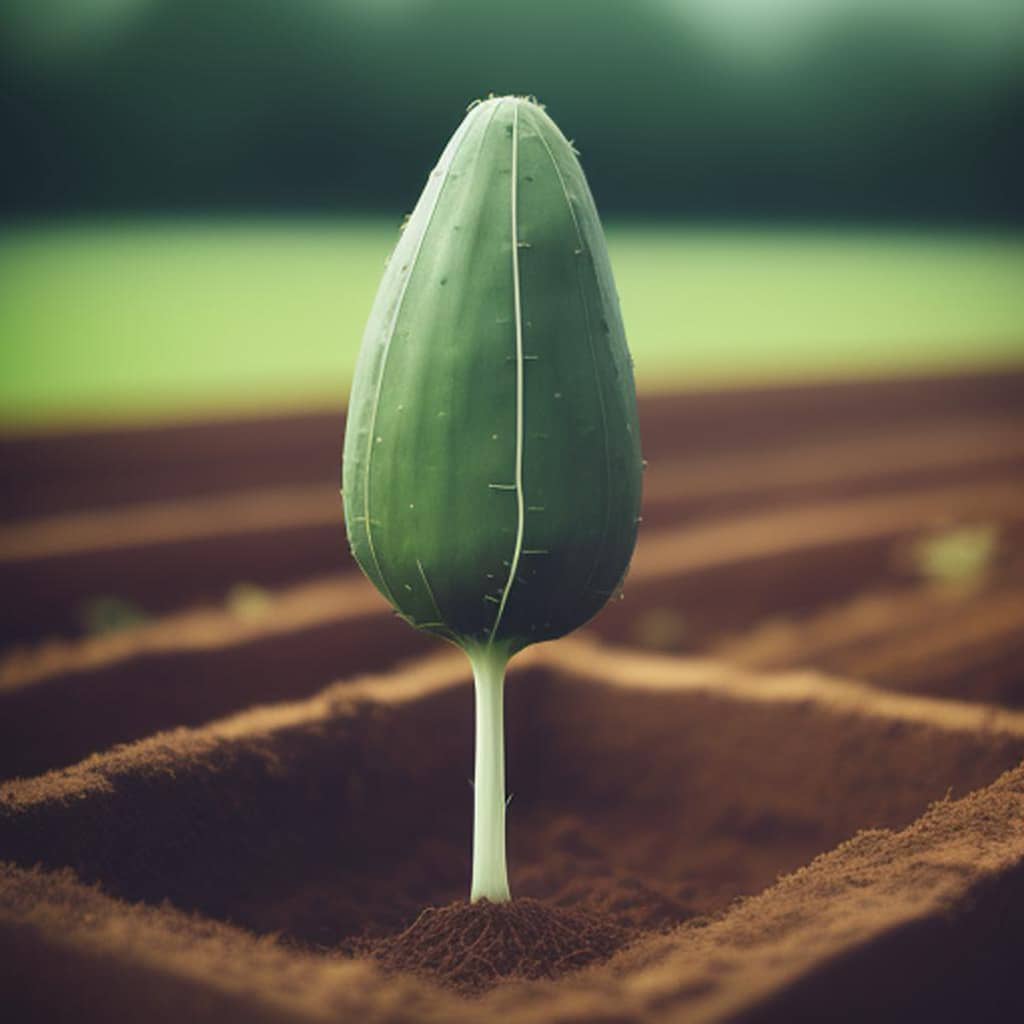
[492, 468]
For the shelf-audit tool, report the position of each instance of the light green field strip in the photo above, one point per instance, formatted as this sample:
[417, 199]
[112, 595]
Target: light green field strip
[154, 318]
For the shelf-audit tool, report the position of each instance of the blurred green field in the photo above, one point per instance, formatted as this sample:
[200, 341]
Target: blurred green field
[155, 318]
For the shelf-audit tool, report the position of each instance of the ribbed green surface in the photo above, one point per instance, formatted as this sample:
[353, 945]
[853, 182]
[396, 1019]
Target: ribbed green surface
[492, 468]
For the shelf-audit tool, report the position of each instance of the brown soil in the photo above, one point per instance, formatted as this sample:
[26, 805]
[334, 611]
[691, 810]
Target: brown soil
[177, 515]
[781, 780]
[299, 824]
[473, 946]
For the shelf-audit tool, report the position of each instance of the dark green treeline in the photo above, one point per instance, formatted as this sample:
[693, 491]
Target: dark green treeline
[877, 111]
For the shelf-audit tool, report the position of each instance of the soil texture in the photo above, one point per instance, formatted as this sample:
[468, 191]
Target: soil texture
[780, 780]
[472, 947]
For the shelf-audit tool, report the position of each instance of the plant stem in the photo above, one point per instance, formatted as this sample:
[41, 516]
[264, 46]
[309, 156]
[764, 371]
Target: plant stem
[490, 876]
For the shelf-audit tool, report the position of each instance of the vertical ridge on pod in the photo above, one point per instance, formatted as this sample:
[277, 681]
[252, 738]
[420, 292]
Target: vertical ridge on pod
[520, 425]
[446, 160]
[588, 328]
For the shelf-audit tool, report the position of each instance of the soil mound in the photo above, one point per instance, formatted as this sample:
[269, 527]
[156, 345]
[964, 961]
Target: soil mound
[471, 947]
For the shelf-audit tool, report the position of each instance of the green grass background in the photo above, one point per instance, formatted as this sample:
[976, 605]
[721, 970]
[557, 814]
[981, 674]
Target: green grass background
[146, 319]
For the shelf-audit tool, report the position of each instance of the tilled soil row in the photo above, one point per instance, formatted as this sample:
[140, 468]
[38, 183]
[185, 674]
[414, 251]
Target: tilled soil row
[845, 562]
[693, 588]
[156, 557]
[650, 792]
[72, 470]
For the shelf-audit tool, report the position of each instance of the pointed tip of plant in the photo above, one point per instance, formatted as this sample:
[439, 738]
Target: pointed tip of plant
[529, 100]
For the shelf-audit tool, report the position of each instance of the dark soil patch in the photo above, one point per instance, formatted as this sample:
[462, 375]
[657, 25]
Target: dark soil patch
[471, 947]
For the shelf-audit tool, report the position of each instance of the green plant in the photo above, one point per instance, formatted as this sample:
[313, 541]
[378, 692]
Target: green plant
[492, 469]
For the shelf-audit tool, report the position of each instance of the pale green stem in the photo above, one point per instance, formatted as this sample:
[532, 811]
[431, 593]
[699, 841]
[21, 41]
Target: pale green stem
[490, 875]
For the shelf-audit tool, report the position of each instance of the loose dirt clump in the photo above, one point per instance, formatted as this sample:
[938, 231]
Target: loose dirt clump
[470, 947]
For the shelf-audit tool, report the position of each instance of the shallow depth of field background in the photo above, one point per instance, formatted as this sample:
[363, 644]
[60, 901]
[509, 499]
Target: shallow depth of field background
[199, 197]
[822, 630]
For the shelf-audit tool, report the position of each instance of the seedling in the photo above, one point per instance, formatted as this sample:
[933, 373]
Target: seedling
[492, 469]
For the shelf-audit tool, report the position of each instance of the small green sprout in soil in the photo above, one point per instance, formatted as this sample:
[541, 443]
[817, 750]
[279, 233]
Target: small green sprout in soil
[492, 468]
[248, 601]
[962, 554]
[109, 614]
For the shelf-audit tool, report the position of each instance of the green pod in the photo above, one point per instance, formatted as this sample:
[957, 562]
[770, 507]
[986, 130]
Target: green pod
[492, 468]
